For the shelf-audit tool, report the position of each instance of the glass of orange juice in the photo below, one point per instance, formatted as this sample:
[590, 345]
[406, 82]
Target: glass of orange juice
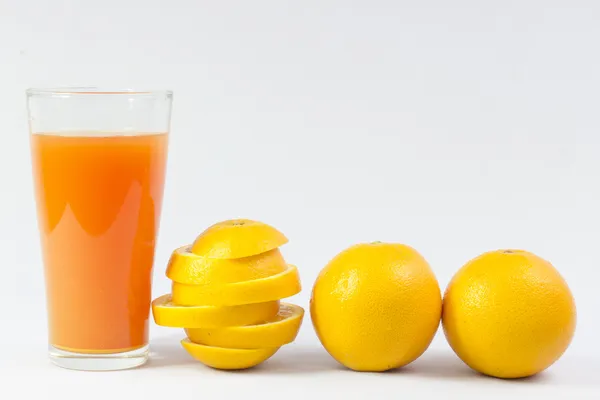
[98, 160]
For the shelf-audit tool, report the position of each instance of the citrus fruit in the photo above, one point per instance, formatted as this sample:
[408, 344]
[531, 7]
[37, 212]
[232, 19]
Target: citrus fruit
[376, 306]
[168, 314]
[237, 238]
[226, 291]
[274, 287]
[228, 359]
[192, 269]
[508, 314]
[278, 331]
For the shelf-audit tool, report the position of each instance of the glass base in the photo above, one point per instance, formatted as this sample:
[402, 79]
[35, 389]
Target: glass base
[98, 362]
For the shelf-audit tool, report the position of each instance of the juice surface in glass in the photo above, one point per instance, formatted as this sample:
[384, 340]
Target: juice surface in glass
[99, 198]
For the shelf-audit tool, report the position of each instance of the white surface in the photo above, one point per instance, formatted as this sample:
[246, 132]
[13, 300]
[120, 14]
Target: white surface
[296, 372]
[455, 127]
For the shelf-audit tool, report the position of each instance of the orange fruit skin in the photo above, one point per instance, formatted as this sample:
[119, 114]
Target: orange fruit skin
[274, 332]
[376, 306]
[237, 238]
[508, 314]
[228, 359]
[191, 269]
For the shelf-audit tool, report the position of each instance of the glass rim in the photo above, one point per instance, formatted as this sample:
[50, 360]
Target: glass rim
[94, 91]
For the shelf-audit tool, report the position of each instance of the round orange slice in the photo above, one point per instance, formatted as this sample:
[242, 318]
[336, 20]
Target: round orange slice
[168, 314]
[228, 359]
[279, 331]
[237, 238]
[274, 287]
[192, 269]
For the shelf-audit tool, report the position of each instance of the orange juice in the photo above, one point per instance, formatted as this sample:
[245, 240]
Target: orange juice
[99, 198]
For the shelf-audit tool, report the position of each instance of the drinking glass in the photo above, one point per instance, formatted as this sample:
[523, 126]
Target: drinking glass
[98, 161]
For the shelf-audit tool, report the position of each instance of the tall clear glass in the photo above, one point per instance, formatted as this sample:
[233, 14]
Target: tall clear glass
[99, 159]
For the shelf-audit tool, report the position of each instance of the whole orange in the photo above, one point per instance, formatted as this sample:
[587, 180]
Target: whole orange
[376, 306]
[508, 314]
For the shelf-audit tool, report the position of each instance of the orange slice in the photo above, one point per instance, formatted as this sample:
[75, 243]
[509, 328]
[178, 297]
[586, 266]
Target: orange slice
[228, 359]
[192, 269]
[237, 238]
[168, 314]
[274, 287]
[279, 331]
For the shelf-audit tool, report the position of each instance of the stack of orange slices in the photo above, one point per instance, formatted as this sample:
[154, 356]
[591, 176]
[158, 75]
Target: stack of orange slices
[226, 292]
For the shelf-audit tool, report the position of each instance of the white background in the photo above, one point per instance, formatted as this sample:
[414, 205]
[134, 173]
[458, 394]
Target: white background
[454, 126]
